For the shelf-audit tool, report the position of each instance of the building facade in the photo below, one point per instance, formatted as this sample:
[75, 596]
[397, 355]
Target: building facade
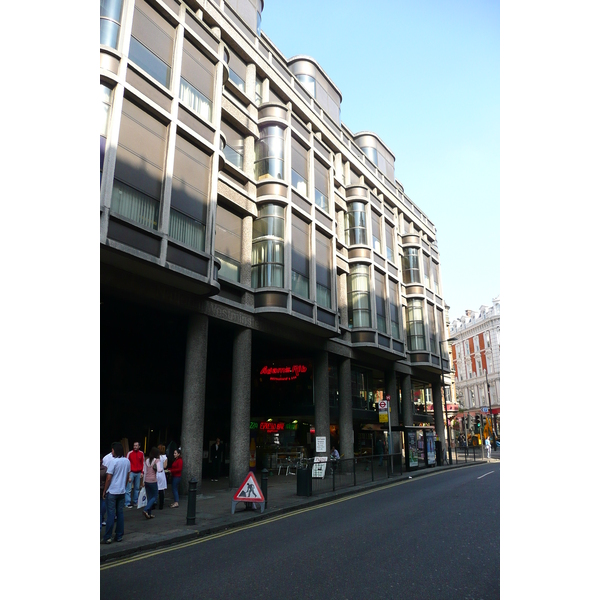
[264, 276]
[476, 360]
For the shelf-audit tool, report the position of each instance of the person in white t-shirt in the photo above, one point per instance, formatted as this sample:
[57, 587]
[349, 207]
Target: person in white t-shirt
[117, 475]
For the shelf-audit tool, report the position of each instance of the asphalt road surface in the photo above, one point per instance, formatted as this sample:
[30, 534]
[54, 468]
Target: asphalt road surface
[431, 537]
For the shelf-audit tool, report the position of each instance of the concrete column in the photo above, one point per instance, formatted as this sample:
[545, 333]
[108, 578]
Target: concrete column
[391, 388]
[438, 413]
[194, 392]
[246, 268]
[346, 425]
[407, 409]
[239, 445]
[321, 387]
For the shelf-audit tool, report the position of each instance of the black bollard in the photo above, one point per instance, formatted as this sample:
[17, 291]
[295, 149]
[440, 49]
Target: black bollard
[264, 480]
[191, 507]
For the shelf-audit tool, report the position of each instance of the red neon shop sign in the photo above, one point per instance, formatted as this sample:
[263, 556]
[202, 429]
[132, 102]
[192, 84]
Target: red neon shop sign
[285, 373]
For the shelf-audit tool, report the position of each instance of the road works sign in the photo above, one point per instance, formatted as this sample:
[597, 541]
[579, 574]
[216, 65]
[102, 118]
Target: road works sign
[249, 491]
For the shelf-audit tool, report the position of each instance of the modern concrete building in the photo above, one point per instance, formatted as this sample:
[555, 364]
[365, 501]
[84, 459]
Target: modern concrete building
[264, 276]
[476, 359]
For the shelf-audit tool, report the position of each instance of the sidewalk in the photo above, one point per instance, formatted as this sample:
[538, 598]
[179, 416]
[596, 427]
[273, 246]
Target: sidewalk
[213, 511]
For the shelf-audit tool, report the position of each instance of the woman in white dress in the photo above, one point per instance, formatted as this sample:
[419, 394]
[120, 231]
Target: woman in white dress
[161, 476]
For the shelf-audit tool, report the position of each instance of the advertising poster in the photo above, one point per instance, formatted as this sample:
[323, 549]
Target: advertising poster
[413, 453]
[319, 467]
[430, 443]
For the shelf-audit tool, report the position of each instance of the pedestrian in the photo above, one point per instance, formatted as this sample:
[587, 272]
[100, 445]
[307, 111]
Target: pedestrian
[161, 477]
[136, 476]
[216, 455]
[150, 481]
[379, 450]
[103, 470]
[115, 484]
[488, 447]
[175, 471]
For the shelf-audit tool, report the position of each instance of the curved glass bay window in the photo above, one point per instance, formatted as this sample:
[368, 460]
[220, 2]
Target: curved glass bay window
[415, 324]
[356, 224]
[110, 22]
[410, 266]
[267, 247]
[269, 153]
[308, 83]
[359, 304]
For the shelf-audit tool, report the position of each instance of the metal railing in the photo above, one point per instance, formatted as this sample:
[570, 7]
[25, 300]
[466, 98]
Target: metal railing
[472, 453]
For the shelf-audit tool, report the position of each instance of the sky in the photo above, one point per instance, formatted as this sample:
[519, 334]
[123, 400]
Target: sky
[425, 77]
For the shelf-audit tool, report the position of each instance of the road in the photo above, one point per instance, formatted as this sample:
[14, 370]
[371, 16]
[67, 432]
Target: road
[431, 537]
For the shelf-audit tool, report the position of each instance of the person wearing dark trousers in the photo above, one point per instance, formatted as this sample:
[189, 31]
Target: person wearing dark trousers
[216, 455]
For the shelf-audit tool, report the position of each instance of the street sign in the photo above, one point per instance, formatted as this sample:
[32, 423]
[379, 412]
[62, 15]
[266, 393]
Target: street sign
[249, 491]
[484, 409]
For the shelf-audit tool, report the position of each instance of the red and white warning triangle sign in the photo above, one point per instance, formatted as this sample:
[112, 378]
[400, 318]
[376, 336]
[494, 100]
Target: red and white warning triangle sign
[249, 491]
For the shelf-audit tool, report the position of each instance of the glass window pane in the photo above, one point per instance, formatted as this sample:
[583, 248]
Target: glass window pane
[148, 61]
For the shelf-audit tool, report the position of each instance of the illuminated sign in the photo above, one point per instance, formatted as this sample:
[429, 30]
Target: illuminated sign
[285, 373]
[271, 427]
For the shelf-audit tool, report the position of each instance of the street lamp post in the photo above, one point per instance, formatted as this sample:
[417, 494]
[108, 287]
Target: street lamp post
[445, 397]
[490, 407]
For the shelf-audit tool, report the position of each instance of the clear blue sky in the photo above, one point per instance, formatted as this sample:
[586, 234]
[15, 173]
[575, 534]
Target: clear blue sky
[425, 77]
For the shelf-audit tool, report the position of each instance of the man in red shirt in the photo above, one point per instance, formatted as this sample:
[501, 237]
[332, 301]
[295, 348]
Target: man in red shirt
[136, 475]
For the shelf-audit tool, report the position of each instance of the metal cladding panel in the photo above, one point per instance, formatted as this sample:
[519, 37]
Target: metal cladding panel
[149, 90]
[134, 237]
[363, 337]
[187, 260]
[303, 308]
[270, 299]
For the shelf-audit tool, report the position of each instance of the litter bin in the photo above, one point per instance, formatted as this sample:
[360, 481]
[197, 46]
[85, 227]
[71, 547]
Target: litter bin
[438, 453]
[304, 482]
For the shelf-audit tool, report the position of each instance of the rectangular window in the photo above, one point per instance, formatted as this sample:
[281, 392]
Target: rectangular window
[389, 243]
[299, 167]
[321, 185]
[237, 71]
[228, 243]
[258, 97]
[196, 86]
[139, 167]
[189, 194]
[394, 313]
[105, 104]
[380, 301]
[151, 46]
[426, 270]
[433, 347]
[300, 257]
[234, 149]
[436, 275]
[323, 258]
[376, 231]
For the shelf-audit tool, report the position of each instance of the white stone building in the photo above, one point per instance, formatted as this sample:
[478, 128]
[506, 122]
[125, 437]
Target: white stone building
[476, 358]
